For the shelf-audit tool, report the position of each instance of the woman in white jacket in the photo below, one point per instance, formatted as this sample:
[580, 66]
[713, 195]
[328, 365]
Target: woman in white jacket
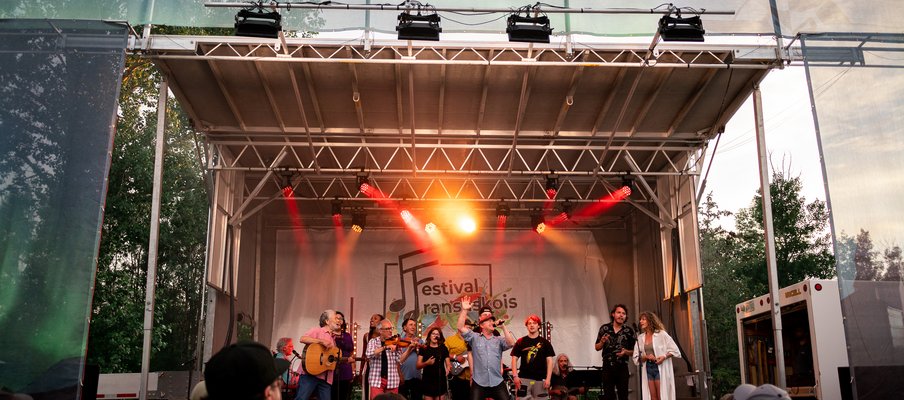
[653, 352]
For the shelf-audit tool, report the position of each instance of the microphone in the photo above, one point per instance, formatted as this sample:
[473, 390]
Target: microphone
[296, 354]
[499, 322]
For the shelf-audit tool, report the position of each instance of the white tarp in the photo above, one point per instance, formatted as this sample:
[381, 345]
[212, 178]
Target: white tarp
[383, 271]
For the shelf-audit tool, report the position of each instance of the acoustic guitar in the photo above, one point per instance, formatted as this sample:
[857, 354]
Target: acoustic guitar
[316, 359]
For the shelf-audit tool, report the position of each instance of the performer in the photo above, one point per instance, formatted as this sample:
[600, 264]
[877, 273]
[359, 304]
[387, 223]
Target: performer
[284, 350]
[460, 352]
[342, 384]
[655, 349]
[616, 340]
[536, 355]
[486, 355]
[561, 388]
[373, 332]
[434, 359]
[411, 373]
[323, 335]
[385, 359]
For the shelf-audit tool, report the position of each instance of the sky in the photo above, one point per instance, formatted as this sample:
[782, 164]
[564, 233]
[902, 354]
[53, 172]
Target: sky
[791, 145]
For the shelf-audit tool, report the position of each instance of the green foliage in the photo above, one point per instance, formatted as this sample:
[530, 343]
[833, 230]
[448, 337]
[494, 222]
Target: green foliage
[734, 263]
[117, 317]
[858, 259]
[802, 241]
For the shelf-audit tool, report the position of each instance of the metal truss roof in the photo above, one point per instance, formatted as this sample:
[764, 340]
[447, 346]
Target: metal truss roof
[468, 121]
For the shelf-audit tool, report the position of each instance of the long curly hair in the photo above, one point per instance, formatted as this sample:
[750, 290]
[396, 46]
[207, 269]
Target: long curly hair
[652, 321]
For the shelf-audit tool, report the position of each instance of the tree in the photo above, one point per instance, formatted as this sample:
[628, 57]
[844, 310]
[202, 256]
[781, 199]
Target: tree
[802, 242]
[721, 293]
[894, 265]
[117, 314]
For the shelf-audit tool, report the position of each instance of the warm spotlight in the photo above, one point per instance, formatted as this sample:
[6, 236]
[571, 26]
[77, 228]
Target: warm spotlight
[537, 221]
[406, 216]
[466, 224]
[359, 220]
[552, 186]
[430, 227]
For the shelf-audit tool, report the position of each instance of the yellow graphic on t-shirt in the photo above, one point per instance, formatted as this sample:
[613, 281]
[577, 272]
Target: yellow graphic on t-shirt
[532, 351]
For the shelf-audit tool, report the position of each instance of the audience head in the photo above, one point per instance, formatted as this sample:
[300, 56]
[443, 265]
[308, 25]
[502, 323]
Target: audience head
[244, 370]
[763, 392]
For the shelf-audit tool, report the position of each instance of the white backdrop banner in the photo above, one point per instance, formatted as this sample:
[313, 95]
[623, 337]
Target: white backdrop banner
[385, 272]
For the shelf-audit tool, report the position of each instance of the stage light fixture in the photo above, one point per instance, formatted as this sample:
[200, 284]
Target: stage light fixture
[364, 185]
[359, 220]
[430, 227]
[502, 213]
[406, 215]
[418, 27]
[552, 186]
[336, 207]
[286, 187]
[627, 185]
[537, 222]
[258, 23]
[566, 207]
[528, 29]
[678, 29]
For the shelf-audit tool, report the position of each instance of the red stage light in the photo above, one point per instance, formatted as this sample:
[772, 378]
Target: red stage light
[551, 193]
[287, 191]
[625, 191]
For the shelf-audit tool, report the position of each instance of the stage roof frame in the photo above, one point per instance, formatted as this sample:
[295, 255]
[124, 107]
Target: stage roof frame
[464, 120]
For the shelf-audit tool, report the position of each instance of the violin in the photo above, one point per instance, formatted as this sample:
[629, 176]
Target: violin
[402, 343]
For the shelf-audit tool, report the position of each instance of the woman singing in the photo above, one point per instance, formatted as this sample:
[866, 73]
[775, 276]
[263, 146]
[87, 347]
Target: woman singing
[434, 359]
[654, 351]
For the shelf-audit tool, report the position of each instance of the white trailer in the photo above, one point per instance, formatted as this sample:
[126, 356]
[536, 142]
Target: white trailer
[813, 337]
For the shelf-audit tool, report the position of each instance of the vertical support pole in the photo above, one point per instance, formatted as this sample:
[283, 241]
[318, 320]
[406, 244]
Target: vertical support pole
[159, 150]
[770, 238]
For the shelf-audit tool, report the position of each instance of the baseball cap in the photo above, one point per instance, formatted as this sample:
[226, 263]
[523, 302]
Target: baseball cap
[763, 392]
[242, 370]
[485, 309]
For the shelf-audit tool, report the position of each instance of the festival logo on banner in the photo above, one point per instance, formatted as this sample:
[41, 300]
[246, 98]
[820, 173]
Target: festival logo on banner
[418, 286]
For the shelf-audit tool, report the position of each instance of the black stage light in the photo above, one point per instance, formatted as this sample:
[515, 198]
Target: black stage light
[677, 29]
[336, 207]
[537, 221]
[528, 29]
[418, 27]
[628, 184]
[552, 186]
[359, 220]
[258, 23]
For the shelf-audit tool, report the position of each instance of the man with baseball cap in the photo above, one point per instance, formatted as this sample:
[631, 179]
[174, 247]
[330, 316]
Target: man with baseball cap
[244, 370]
[486, 354]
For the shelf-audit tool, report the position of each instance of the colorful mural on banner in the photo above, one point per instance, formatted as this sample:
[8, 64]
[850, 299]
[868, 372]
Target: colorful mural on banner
[515, 273]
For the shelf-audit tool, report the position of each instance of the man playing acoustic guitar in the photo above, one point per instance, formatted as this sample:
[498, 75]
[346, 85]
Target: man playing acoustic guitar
[323, 336]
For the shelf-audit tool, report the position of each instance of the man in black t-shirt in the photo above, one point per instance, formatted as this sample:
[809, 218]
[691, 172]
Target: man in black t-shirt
[616, 340]
[536, 355]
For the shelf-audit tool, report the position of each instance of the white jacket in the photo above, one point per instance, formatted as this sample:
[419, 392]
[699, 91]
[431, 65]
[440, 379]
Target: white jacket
[662, 345]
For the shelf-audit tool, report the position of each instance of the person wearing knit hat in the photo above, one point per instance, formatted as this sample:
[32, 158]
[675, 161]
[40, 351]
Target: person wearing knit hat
[244, 370]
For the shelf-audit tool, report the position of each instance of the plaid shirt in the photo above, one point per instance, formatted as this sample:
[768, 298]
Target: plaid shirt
[373, 364]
